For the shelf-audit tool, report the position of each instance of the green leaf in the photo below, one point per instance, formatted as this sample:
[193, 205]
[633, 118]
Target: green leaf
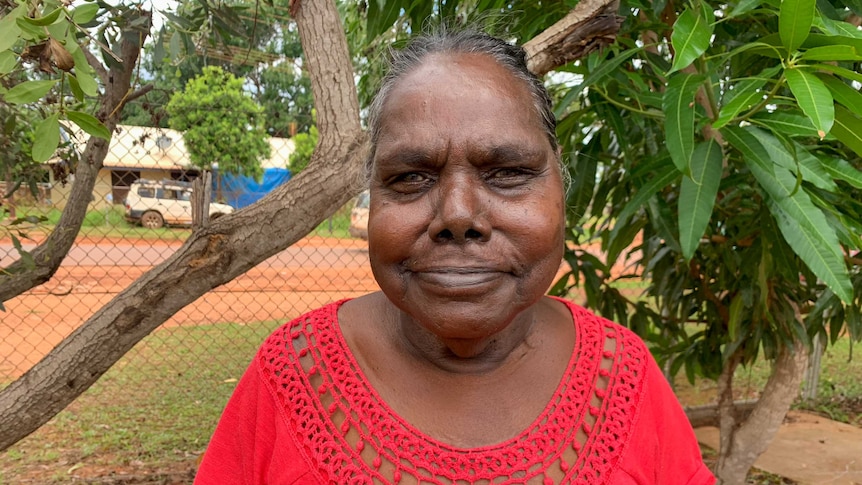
[46, 137]
[840, 28]
[842, 170]
[602, 70]
[89, 124]
[745, 95]
[843, 93]
[75, 87]
[666, 176]
[736, 311]
[801, 160]
[174, 45]
[814, 98]
[795, 18]
[44, 20]
[29, 91]
[159, 48]
[820, 40]
[697, 195]
[85, 13]
[843, 72]
[848, 129]
[690, 38]
[802, 224]
[788, 124]
[743, 7]
[814, 241]
[8, 61]
[9, 30]
[382, 14]
[678, 105]
[85, 74]
[831, 53]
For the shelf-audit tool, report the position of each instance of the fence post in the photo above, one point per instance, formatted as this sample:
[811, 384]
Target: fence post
[201, 195]
[812, 374]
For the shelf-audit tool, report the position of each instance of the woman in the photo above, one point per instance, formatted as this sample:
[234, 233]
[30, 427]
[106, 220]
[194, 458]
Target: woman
[460, 369]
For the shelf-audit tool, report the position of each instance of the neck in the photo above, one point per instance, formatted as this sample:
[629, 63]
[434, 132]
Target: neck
[465, 355]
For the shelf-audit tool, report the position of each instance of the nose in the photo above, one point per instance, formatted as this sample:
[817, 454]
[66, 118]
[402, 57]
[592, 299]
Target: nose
[460, 213]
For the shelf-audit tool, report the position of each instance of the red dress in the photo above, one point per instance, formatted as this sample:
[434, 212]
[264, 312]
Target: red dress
[304, 413]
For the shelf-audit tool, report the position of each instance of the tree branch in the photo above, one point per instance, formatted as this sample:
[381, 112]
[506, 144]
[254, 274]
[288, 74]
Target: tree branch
[139, 92]
[93, 61]
[591, 25]
[18, 277]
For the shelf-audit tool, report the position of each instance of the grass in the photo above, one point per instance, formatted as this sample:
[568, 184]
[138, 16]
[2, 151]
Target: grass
[103, 223]
[335, 226]
[154, 409]
[111, 223]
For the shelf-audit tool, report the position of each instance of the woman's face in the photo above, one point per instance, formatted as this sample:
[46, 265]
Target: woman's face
[466, 220]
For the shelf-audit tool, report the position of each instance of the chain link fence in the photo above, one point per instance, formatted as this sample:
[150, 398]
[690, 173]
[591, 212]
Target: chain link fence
[148, 419]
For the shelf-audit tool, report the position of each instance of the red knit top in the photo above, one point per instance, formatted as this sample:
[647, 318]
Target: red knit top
[304, 413]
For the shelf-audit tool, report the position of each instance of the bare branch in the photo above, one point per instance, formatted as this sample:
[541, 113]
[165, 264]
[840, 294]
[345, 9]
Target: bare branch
[96, 65]
[138, 93]
[591, 25]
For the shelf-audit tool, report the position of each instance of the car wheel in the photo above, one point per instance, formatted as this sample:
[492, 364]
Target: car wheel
[152, 220]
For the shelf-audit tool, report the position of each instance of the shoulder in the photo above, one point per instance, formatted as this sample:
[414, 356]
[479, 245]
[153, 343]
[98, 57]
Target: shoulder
[598, 329]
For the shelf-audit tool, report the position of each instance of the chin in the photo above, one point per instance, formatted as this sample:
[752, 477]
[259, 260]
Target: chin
[468, 320]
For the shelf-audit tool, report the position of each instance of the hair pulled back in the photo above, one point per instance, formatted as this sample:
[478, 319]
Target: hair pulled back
[443, 41]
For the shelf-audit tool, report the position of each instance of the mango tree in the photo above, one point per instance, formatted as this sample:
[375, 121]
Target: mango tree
[722, 142]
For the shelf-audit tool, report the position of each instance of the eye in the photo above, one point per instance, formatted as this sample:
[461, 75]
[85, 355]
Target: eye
[509, 177]
[410, 182]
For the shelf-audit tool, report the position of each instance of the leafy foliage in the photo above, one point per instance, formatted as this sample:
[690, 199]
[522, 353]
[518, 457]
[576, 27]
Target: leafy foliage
[221, 124]
[256, 41]
[303, 148]
[751, 240]
[52, 40]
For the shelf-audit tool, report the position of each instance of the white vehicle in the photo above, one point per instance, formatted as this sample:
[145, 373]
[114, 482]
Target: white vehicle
[359, 216]
[154, 204]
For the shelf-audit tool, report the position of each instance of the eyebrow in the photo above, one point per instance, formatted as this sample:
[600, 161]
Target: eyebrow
[511, 153]
[406, 156]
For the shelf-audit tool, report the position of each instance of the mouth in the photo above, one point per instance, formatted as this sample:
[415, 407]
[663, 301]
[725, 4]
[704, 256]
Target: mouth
[457, 279]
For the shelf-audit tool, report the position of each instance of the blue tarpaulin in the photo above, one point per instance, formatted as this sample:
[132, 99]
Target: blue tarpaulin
[240, 191]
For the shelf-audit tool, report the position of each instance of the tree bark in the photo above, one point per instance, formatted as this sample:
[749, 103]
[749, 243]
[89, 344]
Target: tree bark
[18, 277]
[744, 440]
[222, 250]
[591, 25]
[710, 414]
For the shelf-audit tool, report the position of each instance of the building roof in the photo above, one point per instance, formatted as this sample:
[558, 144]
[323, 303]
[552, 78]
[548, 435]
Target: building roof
[141, 147]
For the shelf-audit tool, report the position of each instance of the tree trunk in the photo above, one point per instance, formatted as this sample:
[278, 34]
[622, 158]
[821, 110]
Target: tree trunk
[218, 252]
[18, 277]
[744, 440]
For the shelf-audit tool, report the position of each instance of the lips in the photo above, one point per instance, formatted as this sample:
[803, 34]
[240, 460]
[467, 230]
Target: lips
[455, 277]
[458, 280]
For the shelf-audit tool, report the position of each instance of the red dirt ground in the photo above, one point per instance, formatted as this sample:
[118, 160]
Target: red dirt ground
[262, 293]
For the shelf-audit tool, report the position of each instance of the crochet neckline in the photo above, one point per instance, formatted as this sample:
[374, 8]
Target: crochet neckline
[534, 425]
[346, 431]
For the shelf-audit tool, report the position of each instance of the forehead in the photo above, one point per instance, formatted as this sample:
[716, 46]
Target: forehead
[459, 96]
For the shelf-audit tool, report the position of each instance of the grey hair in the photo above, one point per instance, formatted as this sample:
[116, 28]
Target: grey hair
[444, 41]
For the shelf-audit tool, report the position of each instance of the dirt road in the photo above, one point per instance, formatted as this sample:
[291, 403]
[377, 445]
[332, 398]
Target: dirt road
[312, 272]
